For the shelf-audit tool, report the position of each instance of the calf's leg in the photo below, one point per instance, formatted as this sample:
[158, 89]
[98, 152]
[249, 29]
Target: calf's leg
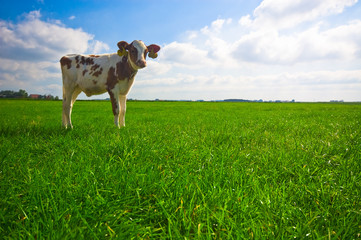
[69, 97]
[123, 107]
[66, 110]
[114, 98]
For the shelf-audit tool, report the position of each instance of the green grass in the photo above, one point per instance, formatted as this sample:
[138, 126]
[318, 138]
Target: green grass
[181, 170]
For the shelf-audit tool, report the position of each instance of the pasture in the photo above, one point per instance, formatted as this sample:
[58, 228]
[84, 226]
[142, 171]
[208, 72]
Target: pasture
[181, 170]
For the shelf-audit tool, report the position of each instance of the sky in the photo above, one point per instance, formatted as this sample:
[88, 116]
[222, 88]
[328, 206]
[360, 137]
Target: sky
[307, 50]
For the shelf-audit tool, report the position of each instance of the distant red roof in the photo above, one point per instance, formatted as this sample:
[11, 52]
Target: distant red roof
[34, 96]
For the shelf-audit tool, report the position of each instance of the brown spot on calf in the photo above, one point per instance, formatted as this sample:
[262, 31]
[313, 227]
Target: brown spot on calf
[114, 103]
[65, 61]
[94, 72]
[86, 61]
[124, 70]
[94, 67]
[111, 79]
[89, 61]
[97, 73]
[133, 54]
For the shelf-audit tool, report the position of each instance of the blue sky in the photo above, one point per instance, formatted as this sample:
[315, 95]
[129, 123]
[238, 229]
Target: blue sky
[307, 50]
[163, 21]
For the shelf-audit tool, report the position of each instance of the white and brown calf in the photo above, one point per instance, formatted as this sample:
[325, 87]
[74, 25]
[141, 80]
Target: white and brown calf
[96, 74]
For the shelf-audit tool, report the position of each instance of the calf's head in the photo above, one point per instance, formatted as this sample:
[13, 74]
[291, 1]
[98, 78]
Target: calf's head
[137, 52]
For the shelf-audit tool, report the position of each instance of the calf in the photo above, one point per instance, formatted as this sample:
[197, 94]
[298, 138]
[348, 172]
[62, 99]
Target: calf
[96, 74]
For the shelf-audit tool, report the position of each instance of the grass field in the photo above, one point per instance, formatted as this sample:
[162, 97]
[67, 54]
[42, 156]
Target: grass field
[181, 170]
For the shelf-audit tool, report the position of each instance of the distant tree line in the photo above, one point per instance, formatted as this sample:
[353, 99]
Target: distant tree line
[23, 94]
[12, 94]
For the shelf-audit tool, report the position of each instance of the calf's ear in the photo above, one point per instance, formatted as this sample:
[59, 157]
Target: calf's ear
[153, 49]
[123, 47]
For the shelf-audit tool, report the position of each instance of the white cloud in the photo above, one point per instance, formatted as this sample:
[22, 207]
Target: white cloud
[312, 44]
[285, 50]
[285, 13]
[98, 47]
[216, 26]
[31, 76]
[154, 68]
[34, 39]
[184, 55]
[302, 86]
[30, 51]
